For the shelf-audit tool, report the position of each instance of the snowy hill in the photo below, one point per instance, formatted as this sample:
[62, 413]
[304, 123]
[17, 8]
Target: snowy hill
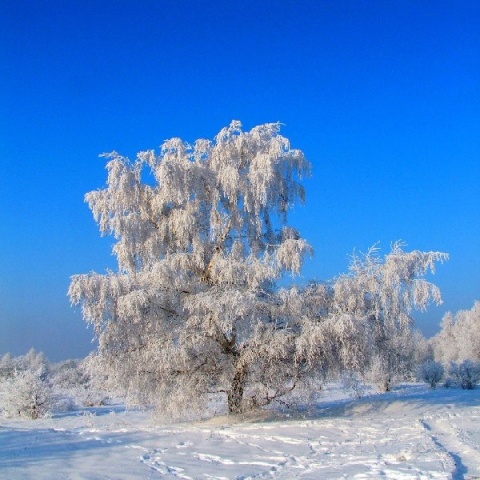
[410, 433]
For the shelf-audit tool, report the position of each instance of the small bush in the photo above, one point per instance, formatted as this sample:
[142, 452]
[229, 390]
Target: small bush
[431, 372]
[26, 394]
[450, 383]
[465, 374]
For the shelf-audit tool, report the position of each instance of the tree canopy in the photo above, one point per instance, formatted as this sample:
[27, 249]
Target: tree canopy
[201, 241]
[198, 251]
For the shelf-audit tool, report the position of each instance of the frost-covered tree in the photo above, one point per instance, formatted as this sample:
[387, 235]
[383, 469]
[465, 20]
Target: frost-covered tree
[459, 336]
[26, 394]
[201, 238]
[35, 362]
[7, 366]
[76, 385]
[32, 360]
[423, 348]
[363, 320]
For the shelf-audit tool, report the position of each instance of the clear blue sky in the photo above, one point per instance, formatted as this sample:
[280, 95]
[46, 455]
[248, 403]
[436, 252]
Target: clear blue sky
[382, 96]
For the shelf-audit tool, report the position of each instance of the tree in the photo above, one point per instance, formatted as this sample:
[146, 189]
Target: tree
[35, 362]
[193, 307]
[459, 336]
[363, 321]
[7, 366]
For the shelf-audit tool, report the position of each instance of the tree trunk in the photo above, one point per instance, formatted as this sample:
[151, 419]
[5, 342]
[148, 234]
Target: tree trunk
[387, 383]
[235, 394]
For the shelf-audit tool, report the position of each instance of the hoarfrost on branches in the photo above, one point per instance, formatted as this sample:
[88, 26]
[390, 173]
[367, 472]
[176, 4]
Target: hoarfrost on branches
[26, 394]
[459, 337]
[363, 320]
[193, 309]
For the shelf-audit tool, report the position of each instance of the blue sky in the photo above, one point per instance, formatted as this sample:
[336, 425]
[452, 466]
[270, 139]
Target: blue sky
[382, 96]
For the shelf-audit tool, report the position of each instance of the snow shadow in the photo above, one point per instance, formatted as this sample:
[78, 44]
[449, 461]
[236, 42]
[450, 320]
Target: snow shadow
[98, 411]
[420, 397]
[24, 447]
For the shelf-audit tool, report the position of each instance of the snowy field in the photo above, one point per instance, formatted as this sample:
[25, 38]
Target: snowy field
[411, 433]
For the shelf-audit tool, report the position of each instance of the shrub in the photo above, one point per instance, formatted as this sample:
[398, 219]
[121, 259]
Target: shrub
[465, 374]
[26, 394]
[431, 372]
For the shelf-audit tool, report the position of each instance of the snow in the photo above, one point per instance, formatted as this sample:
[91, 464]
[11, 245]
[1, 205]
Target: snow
[410, 433]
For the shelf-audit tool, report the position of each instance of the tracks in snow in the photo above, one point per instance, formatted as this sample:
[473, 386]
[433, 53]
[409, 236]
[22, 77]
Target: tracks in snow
[411, 435]
[356, 448]
[452, 434]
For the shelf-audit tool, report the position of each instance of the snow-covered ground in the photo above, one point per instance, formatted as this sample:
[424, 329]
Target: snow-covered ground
[411, 433]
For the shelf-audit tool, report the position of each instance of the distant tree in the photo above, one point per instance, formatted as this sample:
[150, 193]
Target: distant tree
[76, 385]
[193, 308]
[35, 362]
[423, 348]
[32, 360]
[7, 366]
[459, 336]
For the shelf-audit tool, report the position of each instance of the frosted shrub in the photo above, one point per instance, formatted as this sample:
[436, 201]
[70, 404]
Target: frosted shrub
[26, 394]
[431, 372]
[465, 374]
[67, 374]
